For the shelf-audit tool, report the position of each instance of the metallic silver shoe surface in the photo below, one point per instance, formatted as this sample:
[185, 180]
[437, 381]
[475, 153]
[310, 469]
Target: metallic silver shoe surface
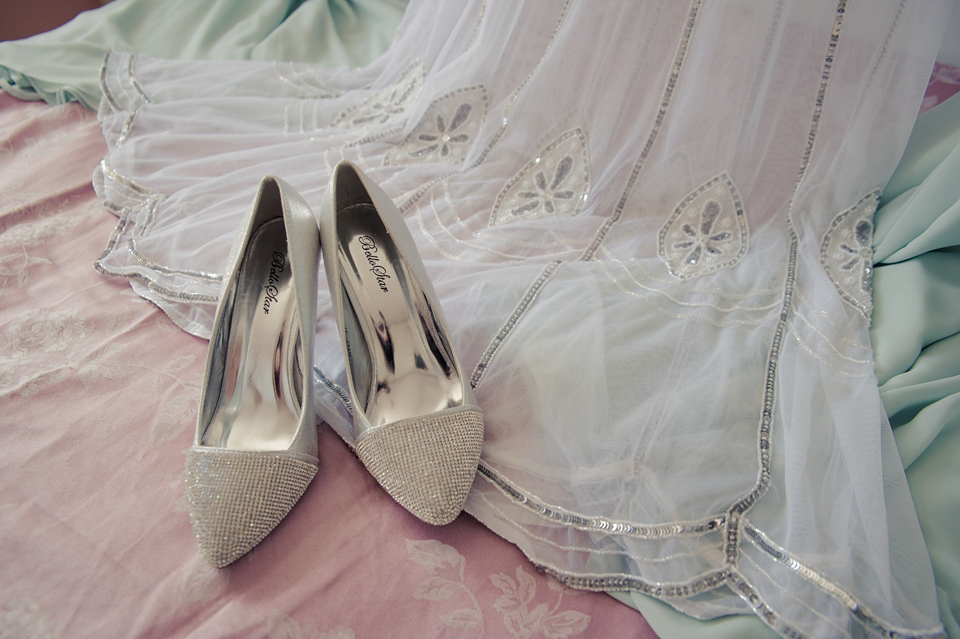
[418, 426]
[258, 403]
[411, 368]
[255, 449]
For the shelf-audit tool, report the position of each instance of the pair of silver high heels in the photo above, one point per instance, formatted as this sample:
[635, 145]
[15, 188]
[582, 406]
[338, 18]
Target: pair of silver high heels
[419, 428]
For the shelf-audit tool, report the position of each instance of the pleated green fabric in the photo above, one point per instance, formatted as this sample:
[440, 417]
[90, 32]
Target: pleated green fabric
[63, 65]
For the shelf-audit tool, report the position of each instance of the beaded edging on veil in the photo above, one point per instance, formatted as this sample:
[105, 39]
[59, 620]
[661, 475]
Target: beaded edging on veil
[650, 230]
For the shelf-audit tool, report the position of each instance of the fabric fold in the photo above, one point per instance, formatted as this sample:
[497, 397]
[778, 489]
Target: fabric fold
[63, 64]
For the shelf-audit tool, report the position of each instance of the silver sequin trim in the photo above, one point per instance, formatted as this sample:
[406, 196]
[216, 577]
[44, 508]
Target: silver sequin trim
[665, 102]
[135, 81]
[518, 312]
[104, 84]
[732, 533]
[128, 74]
[863, 614]
[335, 388]
[768, 615]
[160, 268]
[146, 200]
[770, 387]
[477, 25]
[583, 522]
[690, 588]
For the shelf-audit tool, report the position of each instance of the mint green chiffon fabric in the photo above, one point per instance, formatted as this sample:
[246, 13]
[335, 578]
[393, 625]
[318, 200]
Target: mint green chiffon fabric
[63, 65]
[916, 339]
[916, 334]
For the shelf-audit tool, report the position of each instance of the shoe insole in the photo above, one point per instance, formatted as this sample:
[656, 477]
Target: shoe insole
[261, 392]
[398, 358]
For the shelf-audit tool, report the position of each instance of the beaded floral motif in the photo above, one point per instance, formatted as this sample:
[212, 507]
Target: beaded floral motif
[388, 104]
[446, 131]
[847, 253]
[553, 184]
[706, 232]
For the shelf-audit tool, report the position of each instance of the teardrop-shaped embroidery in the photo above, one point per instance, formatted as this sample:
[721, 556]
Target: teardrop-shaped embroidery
[706, 232]
[446, 131]
[553, 184]
[386, 105]
[846, 253]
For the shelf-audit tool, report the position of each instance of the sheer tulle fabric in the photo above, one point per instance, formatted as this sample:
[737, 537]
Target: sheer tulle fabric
[649, 226]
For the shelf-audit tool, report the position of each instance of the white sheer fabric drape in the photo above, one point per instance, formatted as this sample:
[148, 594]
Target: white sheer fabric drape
[649, 224]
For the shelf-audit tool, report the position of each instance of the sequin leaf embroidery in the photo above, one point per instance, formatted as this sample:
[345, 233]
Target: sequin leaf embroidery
[846, 253]
[446, 131]
[706, 232]
[553, 184]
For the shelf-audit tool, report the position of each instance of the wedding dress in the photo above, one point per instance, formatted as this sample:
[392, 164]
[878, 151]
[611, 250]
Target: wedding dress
[649, 225]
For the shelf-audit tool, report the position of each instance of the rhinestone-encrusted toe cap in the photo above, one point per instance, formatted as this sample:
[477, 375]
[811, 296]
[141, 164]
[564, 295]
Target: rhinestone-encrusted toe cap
[427, 463]
[237, 497]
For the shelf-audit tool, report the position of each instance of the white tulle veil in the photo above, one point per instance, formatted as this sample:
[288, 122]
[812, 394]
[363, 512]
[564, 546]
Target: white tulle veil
[649, 223]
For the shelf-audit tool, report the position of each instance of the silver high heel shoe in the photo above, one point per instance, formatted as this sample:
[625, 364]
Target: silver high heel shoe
[255, 449]
[418, 426]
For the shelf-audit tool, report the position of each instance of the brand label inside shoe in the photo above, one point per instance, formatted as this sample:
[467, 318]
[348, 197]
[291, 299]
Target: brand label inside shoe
[270, 290]
[370, 250]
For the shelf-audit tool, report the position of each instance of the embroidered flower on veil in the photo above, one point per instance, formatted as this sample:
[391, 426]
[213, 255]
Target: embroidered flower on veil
[546, 194]
[446, 131]
[846, 253]
[702, 240]
[554, 184]
[444, 139]
[706, 232]
[862, 252]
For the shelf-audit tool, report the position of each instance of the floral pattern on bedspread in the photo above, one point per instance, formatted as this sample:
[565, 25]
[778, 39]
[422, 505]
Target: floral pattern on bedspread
[23, 618]
[98, 401]
[522, 616]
